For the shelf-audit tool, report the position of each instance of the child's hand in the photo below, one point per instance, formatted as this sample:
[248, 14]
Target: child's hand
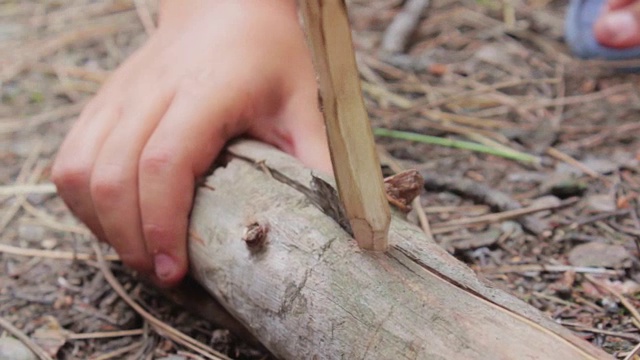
[619, 25]
[212, 71]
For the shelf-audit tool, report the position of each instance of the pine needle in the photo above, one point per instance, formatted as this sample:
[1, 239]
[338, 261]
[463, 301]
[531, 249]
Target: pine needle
[459, 144]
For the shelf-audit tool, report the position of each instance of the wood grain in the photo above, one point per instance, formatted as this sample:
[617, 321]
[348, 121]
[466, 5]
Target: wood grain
[309, 292]
[355, 161]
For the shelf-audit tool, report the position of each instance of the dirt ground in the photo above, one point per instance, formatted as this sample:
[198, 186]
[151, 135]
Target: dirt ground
[565, 137]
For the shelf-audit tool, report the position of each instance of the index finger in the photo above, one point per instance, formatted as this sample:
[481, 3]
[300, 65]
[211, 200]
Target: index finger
[182, 147]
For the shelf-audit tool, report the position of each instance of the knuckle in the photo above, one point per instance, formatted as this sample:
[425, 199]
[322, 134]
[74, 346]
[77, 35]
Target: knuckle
[107, 187]
[70, 176]
[154, 161]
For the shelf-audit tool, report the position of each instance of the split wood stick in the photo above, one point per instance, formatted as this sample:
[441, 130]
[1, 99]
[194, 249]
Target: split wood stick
[355, 161]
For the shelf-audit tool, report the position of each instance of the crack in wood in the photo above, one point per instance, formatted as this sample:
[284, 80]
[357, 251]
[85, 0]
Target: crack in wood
[339, 294]
[320, 193]
[475, 293]
[400, 190]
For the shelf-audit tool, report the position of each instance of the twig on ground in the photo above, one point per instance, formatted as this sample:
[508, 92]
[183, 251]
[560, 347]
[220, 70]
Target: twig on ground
[50, 222]
[429, 104]
[189, 355]
[504, 99]
[581, 300]
[25, 189]
[603, 135]
[623, 300]
[389, 71]
[52, 254]
[554, 299]
[453, 225]
[60, 17]
[29, 174]
[144, 14]
[397, 35]
[609, 64]
[525, 268]
[104, 334]
[447, 209]
[633, 353]
[486, 137]
[18, 334]
[118, 352]
[579, 99]
[598, 217]
[161, 327]
[29, 164]
[11, 125]
[76, 72]
[559, 155]
[466, 120]
[580, 327]
[53, 43]
[498, 200]
[627, 230]
[382, 94]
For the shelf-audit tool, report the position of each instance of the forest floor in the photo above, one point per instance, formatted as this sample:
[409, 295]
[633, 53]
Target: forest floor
[564, 137]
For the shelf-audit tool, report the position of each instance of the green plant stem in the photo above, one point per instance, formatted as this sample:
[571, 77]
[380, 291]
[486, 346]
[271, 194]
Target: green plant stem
[466, 145]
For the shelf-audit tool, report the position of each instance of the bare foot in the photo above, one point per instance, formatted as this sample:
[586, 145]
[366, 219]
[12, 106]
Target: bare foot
[619, 26]
[212, 71]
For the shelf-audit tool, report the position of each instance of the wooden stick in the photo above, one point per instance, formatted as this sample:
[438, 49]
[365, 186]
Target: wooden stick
[355, 161]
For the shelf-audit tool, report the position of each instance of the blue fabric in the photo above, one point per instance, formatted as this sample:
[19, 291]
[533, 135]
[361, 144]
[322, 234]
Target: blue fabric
[581, 15]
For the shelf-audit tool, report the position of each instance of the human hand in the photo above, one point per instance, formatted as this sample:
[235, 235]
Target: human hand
[212, 71]
[619, 25]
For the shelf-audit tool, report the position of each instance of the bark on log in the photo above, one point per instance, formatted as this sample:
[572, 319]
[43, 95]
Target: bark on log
[300, 284]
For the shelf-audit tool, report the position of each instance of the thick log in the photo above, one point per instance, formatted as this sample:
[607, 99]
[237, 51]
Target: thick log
[302, 286]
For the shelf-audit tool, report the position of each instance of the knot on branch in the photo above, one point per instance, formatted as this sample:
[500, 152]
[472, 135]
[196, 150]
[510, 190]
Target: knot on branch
[255, 235]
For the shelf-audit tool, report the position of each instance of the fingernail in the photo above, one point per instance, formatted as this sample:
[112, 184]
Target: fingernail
[165, 266]
[619, 26]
